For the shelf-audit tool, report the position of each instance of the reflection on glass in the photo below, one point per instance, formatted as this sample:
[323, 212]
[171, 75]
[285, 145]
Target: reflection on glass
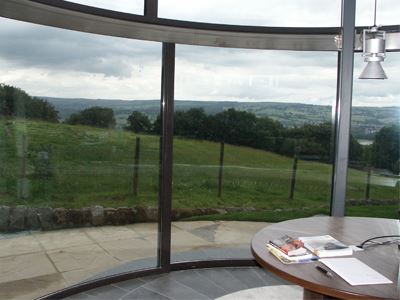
[79, 182]
[285, 13]
[128, 6]
[373, 186]
[252, 144]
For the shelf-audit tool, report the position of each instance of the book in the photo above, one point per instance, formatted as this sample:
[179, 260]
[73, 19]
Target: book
[289, 246]
[282, 257]
[325, 246]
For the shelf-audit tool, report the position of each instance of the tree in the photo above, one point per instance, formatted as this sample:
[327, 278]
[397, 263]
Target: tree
[157, 126]
[311, 140]
[138, 122]
[386, 148]
[269, 134]
[14, 102]
[190, 123]
[102, 117]
[41, 109]
[234, 127]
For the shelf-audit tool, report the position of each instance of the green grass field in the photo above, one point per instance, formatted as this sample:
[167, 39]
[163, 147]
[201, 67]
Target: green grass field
[89, 166]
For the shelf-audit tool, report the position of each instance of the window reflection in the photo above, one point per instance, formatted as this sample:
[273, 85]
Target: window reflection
[79, 186]
[373, 184]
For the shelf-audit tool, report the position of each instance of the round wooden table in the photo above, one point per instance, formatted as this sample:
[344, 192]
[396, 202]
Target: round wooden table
[349, 230]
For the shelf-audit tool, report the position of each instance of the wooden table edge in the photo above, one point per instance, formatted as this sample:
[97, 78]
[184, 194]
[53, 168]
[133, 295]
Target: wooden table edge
[307, 285]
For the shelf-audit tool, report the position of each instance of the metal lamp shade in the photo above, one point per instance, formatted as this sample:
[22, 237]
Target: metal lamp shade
[373, 70]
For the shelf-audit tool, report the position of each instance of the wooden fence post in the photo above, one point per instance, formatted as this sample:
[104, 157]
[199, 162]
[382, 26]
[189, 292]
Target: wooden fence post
[293, 179]
[136, 167]
[368, 187]
[23, 181]
[221, 169]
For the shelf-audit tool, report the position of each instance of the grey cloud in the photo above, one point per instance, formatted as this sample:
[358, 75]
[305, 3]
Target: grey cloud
[202, 72]
[255, 58]
[55, 49]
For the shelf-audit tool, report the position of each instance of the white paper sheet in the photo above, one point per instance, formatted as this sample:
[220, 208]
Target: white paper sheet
[354, 271]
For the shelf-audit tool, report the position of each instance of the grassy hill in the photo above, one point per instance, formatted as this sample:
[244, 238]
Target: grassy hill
[80, 166]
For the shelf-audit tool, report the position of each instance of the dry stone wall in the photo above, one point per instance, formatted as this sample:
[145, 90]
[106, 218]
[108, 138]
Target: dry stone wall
[20, 218]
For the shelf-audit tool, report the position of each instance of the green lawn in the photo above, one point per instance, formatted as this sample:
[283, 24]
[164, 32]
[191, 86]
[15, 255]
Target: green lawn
[90, 166]
[384, 211]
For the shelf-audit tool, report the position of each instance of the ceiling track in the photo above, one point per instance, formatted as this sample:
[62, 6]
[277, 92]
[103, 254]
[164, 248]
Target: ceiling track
[66, 15]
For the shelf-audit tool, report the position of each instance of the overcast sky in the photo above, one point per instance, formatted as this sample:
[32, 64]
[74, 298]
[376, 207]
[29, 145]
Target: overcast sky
[47, 61]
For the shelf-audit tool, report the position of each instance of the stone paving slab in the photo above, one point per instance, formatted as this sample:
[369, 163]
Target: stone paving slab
[61, 239]
[18, 245]
[25, 266]
[144, 229]
[31, 288]
[192, 225]
[79, 275]
[55, 259]
[111, 233]
[79, 257]
[130, 249]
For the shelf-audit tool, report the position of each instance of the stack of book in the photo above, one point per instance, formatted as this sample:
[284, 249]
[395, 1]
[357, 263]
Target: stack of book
[290, 251]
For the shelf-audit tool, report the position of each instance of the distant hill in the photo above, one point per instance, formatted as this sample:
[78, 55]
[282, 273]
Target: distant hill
[366, 121]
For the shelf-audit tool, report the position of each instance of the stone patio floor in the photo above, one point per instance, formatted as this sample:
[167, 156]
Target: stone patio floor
[36, 263]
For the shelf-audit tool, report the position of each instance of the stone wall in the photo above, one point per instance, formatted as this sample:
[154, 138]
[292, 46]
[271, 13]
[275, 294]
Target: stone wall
[19, 218]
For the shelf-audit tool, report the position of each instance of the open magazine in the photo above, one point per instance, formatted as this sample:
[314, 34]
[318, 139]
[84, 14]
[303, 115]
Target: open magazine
[325, 246]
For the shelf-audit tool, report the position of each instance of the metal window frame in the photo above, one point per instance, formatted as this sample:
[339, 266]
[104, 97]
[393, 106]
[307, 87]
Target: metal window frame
[342, 116]
[151, 9]
[67, 15]
[167, 117]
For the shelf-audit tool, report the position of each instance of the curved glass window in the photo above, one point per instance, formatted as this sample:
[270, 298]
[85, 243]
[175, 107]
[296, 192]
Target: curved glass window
[285, 13]
[373, 183]
[81, 132]
[128, 6]
[79, 181]
[252, 143]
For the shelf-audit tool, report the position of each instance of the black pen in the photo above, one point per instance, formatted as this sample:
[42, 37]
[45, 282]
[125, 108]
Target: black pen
[326, 272]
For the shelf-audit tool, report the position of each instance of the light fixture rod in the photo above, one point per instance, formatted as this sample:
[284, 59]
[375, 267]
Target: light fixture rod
[375, 13]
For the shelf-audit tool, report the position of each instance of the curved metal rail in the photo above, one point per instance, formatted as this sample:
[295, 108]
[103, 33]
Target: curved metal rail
[83, 18]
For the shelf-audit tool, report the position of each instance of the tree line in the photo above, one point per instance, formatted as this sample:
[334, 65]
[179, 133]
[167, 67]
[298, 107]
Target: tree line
[14, 102]
[312, 141]
[246, 129]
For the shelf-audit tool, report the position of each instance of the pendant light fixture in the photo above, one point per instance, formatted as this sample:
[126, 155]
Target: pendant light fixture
[373, 51]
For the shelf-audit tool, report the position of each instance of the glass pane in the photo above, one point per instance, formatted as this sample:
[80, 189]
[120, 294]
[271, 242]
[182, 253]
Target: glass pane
[79, 183]
[387, 12]
[252, 145]
[287, 13]
[373, 187]
[128, 6]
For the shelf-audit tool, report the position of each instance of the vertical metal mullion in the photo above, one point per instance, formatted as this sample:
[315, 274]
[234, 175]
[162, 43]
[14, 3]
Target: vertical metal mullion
[151, 8]
[167, 131]
[343, 109]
